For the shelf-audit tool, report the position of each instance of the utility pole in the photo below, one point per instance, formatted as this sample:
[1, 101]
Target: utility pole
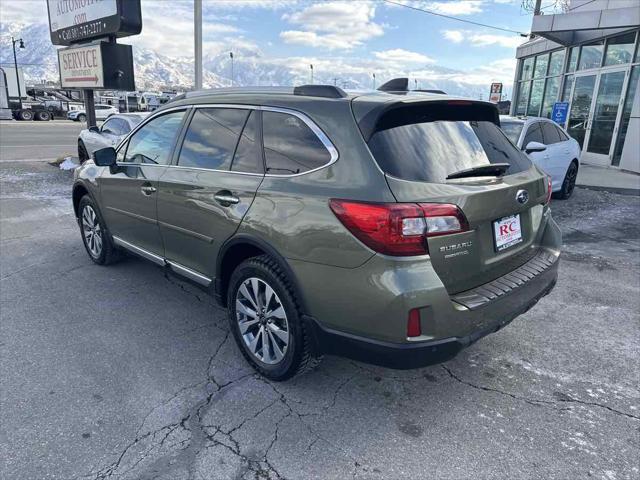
[374, 80]
[197, 37]
[311, 67]
[231, 57]
[415, 82]
[15, 62]
[536, 11]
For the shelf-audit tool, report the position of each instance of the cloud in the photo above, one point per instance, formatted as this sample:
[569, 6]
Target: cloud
[455, 36]
[333, 25]
[483, 39]
[458, 7]
[399, 55]
[446, 7]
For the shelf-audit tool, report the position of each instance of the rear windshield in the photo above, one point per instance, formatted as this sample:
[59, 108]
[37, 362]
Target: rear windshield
[512, 130]
[432, 150]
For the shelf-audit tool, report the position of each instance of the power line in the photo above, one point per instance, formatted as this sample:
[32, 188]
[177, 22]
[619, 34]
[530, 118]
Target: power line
[430, 12]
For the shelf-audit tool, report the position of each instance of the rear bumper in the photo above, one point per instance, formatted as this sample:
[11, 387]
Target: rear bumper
[420, 354]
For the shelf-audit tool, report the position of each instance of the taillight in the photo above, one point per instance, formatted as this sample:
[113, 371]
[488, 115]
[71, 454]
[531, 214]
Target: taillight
[398, 229]
[549, 191]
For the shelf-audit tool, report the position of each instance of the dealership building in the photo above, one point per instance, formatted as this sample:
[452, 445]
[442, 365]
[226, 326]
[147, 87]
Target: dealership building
[588, 57]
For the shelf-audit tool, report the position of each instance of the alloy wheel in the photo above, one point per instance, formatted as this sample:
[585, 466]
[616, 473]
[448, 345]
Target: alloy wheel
[262, 321]
[92, 231]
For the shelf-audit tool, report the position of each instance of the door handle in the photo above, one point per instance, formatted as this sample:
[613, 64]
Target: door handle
[226, 198]
[147, 189]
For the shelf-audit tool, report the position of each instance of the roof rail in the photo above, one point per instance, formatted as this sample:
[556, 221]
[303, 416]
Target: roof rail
[327, 91]
[395, 85]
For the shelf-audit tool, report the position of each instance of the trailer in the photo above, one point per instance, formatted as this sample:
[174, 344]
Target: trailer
[17, 101]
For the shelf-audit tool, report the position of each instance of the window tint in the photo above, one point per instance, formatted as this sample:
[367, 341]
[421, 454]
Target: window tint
[430, 151]
[154, 141]
[512, 130]
[212, 137]
[115, 126]
[290, 146]
[550, 133]
[248, 157]
[563, 136]
[534, 134]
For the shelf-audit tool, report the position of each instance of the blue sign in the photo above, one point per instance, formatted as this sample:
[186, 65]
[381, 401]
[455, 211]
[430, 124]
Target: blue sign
[559, 112]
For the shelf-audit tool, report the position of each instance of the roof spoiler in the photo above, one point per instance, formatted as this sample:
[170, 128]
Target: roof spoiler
[395, 85]
[435, 90]
[326, 91]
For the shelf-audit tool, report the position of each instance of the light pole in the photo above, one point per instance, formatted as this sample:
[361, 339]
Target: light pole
[374, 80]
[415, 80]
[197, 38]
[15, 62]
[311, 67]
[231, 57]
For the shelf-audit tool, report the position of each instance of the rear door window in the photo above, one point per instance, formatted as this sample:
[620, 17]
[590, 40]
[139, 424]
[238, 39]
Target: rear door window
[211, 138]
[550, 133]
[248, 157]
[290, 145]
[430, 151]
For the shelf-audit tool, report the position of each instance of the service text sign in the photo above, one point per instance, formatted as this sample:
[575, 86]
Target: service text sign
[81, 67]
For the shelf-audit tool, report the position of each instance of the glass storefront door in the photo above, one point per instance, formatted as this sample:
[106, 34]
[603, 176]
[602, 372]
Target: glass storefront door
[594, 116]
[580, 112]
[605, 115]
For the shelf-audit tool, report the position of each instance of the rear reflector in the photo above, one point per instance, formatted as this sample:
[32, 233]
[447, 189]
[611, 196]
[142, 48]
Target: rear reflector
[413, 324]
[398, 229]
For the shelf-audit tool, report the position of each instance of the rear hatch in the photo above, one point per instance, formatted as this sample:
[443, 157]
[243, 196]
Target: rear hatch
[423, 146]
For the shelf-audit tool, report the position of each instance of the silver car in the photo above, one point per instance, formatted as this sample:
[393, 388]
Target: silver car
[108, 134]
[549, 146]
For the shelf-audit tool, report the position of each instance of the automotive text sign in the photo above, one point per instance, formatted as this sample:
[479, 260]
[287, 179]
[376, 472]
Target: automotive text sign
[74, 21]
[81, 67]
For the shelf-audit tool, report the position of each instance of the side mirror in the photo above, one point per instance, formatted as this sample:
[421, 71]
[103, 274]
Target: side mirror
[94, 129]
[535, 147]
[105, 157]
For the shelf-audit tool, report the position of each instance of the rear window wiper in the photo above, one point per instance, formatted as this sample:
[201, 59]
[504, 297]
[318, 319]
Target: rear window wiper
[495, 169]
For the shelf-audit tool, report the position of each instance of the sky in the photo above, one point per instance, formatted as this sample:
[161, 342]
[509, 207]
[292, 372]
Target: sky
[357, 34]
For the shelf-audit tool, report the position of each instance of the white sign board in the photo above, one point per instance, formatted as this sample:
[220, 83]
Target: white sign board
[67, 13]
[81, 67]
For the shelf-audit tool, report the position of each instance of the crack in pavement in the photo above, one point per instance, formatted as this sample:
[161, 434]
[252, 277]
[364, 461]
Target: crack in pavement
[537, 402]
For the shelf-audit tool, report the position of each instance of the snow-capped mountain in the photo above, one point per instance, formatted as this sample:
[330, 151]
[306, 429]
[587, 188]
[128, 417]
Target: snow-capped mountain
[155, 71]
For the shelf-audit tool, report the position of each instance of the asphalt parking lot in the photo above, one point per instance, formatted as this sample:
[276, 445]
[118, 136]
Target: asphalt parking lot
[29, 141]
[123, 372]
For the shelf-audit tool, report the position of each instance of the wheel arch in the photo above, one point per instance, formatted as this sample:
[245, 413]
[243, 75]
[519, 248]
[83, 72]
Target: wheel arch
[241, 247]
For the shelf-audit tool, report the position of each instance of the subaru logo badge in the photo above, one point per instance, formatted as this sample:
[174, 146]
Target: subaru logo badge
[522, 196]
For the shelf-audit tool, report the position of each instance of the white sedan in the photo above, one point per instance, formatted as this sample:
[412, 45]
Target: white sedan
[102, 112]
[549, 146]
[108, 134]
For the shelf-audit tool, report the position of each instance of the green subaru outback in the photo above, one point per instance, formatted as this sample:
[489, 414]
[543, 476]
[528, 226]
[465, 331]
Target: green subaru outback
[394, 228]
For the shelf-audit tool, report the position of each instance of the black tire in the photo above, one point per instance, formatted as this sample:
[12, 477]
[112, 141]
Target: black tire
[569, 183]
[82, 118]
[297, 356]
[83, 155]
[107, 253]
[43, 116]
[25, 115]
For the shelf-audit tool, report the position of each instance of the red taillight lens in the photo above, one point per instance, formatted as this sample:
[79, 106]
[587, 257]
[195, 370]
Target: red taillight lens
[549, 191]
[413, 324]
[398, 229]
